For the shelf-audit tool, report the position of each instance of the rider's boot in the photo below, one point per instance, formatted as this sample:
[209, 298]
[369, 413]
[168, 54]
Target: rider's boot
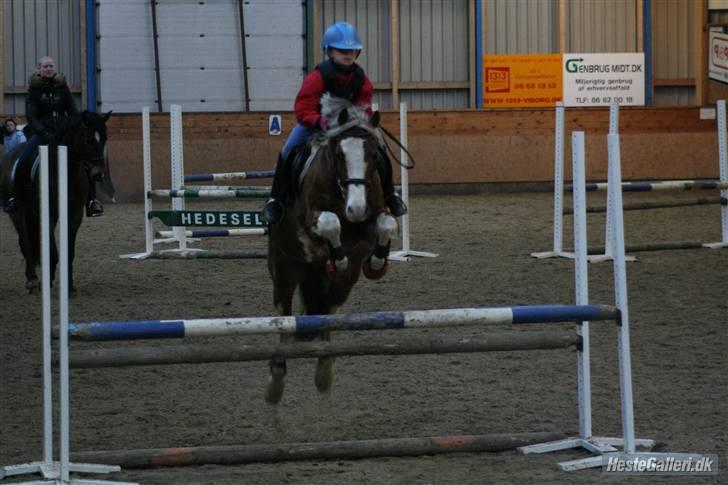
[396, 205]
[273, 209]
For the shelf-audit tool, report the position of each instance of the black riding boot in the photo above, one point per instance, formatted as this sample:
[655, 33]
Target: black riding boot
[22, 175]
[273, 209]
[94, 208]
[396, 205]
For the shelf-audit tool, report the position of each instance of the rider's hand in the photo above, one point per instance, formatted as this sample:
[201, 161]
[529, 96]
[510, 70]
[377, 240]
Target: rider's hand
[323, 123]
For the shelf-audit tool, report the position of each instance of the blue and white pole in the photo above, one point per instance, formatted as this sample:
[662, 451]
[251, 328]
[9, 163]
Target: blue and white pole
[152, 329]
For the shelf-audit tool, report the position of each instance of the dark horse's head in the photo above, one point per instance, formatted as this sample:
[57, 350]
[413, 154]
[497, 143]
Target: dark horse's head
[353, 154]
[86, 136]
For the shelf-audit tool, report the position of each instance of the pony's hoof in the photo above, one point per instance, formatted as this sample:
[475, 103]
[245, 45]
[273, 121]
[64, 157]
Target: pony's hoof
[276, 384]
[324, 374]
[335, 274]
[374, 274]
[32, 285]
[274, 390]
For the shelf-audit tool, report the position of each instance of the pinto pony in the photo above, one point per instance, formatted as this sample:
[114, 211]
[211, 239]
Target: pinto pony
[335, 226]
[85, 137]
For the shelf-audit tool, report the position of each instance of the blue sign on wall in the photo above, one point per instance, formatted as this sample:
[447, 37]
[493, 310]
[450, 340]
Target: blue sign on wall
[274, 125]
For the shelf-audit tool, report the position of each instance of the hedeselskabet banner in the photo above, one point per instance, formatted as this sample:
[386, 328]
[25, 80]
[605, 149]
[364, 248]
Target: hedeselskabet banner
[599, 79]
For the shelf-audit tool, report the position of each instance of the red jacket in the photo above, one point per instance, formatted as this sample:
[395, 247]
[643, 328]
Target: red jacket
[308, 98]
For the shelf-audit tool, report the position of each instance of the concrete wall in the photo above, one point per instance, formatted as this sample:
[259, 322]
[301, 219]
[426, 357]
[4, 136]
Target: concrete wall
[449, 147]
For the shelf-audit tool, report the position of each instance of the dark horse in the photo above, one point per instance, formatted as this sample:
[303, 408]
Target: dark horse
[335, 227]
[85, 137]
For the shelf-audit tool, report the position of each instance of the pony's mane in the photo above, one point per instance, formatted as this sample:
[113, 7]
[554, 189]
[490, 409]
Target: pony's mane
[331, 106]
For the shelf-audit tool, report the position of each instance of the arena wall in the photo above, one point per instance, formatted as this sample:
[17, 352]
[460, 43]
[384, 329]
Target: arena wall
[480, 150]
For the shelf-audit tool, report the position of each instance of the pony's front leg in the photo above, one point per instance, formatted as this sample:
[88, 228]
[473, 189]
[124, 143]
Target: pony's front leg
[376, 266]
[327, 226]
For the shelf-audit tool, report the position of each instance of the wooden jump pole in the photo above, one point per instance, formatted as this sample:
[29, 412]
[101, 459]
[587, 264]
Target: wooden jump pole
[664, 246]
[333, 450]
[200, 354]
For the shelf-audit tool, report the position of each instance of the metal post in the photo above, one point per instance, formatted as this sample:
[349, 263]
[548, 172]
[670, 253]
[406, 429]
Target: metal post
[723, 160]
[581, 279]
[177, 171]
[620, 294]
[558, 188]
[46, 282]
[147, 158]
[405, 252]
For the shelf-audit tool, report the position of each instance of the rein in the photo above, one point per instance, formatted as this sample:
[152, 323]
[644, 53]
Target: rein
[391, 152]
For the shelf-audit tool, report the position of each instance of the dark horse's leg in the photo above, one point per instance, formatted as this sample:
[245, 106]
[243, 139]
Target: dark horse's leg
[284, 285]
[75, 217]
[27, 247]
[316, 292]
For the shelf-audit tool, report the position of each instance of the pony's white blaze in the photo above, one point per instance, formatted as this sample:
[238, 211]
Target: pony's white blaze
[97, 135]
[356, 195]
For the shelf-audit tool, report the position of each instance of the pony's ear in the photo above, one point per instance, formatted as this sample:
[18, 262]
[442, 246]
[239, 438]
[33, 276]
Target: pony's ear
[374, 120]
[107, 116]
[84, 115]
[343, 117]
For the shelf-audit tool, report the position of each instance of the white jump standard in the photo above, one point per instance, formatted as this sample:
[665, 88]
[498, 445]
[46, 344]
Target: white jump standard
[582, 313]
[240, 223]
[648, 186]
[56, 471]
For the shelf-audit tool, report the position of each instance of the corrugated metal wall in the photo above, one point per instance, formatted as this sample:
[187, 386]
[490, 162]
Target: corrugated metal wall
[602, 26]
[36, 28]
[673, 44]
[433, 44]
[521, 27]
[200, 54]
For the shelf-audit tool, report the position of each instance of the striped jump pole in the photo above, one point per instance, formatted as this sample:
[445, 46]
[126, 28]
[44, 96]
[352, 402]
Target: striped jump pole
[657, 205]
[210, 177]
[247, 193]
[217, 233]
[208, 327]
[225, 187]
[657, 186]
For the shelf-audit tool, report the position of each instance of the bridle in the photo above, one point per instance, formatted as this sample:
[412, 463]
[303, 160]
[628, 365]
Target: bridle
[352, 129]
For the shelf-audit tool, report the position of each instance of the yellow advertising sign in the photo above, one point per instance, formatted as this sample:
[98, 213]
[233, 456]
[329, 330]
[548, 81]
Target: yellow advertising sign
[522, 80]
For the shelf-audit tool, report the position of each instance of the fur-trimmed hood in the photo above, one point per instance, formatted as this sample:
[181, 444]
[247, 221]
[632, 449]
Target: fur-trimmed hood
[38, 81]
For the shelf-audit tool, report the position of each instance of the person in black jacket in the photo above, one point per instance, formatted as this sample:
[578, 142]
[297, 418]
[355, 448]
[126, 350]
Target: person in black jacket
[49, 109]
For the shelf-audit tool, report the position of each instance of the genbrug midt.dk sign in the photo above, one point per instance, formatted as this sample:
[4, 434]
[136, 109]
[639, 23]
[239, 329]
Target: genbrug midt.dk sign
[600, 79]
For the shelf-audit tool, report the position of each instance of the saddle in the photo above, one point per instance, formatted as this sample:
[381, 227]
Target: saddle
[298, 160]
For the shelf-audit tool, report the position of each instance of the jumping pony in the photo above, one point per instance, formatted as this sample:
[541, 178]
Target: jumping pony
[85, 137]
[335, 226]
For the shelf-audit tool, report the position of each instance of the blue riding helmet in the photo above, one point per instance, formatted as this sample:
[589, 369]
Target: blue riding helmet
[343, 36]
